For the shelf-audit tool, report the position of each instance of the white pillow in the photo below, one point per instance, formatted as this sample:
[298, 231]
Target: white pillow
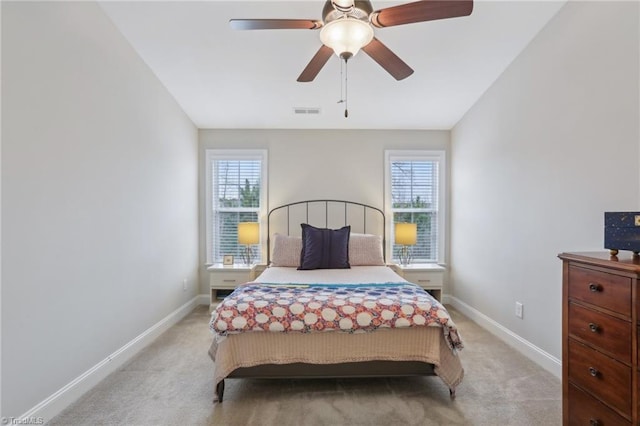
[365, 250]
[286, 250]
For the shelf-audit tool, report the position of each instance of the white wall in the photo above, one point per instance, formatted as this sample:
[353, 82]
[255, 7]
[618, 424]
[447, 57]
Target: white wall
[99, 197]
[548, 148]
[308, 164]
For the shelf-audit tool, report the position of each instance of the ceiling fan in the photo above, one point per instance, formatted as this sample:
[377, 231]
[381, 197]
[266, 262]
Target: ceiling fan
[348, 26]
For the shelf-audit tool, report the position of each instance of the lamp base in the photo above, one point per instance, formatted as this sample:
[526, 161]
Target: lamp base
[405, 256]
[247, 255]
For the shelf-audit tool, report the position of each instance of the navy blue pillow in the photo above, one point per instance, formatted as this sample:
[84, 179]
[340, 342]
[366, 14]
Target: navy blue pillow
[324, 248]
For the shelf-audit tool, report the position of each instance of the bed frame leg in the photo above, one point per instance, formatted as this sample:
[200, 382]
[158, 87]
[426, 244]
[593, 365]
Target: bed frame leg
[452, 393]
[219, 392]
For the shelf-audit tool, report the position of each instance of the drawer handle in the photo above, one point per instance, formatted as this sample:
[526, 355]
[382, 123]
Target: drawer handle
[593, 372]
[424, 281]
[594, 422]
[594, 327]
[228, 281]
[595, 288]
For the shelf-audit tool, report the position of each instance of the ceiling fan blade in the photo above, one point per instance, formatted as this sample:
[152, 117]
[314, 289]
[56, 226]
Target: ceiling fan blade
[317, 62]
[420, 11]
[387, 59]
[275, 24]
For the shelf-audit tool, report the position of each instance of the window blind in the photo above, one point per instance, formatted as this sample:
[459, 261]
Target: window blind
[414, 199]
[236, 194]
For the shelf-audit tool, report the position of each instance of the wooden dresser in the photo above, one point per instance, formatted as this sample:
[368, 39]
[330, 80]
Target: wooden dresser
[600, 312]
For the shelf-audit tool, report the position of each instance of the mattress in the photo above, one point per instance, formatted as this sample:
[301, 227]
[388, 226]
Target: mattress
[354, 275]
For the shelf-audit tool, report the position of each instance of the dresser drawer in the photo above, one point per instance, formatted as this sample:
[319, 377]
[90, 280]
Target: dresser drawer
[424, 279]
[602, 376]
[587, 410]
[603, 331]
[605, 290]
[228, 279]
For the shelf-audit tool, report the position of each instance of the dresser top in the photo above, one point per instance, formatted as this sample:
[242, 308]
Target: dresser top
[623, 261]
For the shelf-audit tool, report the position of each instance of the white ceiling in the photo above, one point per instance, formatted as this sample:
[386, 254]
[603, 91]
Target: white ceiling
[247, 79]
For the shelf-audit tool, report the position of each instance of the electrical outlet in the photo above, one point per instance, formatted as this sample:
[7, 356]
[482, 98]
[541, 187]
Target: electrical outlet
[519, 307]
[184, 285]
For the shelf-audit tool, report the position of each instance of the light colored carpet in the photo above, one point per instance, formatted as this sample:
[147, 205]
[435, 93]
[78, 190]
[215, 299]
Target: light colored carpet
[171, 383]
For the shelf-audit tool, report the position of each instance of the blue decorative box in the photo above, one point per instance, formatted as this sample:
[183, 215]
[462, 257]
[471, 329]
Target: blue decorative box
[622, 231]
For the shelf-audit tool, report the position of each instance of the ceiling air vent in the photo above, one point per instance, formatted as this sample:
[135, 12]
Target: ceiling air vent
[306, 110]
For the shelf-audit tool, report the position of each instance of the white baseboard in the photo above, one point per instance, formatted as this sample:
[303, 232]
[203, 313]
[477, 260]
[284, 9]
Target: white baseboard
[54, 404]
[528, 349]
[203, 299]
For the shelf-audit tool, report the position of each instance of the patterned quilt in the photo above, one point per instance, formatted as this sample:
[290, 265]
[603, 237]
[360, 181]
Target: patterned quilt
[309, 308]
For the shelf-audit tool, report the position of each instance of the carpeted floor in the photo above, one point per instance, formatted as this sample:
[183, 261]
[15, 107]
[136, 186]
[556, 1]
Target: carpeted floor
[171, 383]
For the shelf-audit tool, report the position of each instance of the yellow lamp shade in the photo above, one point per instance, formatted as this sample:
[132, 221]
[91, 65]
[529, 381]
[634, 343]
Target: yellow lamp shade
[406, 234]
[248, 233]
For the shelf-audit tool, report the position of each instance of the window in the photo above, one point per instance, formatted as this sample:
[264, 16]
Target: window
[415, 194]
[235, 192]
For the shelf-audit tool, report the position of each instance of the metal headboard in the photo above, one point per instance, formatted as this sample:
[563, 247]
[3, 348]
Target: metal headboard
[365, 210]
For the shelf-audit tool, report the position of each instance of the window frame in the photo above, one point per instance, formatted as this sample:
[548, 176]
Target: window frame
[438, 156]
[212, 155]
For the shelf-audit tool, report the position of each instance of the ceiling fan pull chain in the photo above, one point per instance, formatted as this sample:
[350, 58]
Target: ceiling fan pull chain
[341, 83]
[346, 88]
[343, 86]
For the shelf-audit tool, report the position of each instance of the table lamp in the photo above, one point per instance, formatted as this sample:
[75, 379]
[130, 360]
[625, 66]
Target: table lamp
[248, 234]
[406, 234]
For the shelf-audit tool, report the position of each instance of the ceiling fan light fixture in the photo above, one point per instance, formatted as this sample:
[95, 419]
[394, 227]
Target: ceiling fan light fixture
[346, 36]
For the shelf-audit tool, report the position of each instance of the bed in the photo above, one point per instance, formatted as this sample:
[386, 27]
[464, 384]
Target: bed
[312, 313]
